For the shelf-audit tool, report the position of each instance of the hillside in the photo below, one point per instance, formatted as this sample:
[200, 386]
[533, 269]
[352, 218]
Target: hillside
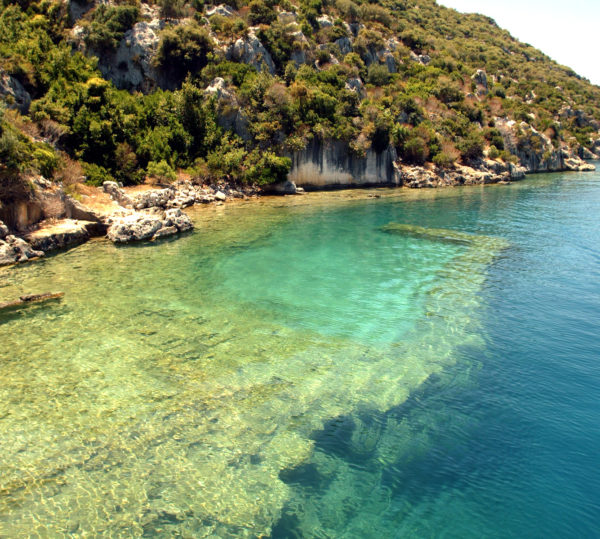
[249, 91]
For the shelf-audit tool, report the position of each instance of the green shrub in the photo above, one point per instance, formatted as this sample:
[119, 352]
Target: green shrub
[171, 9]
[96, 175]
[323, 56]
[279, 42]
[348, 9]
[444, 159]
[228, 161]
[449, 93]
[415, 40]
[46, 160]
[13, 150]
[380, 139]
[108, 25]
[378, 75]
[161, 171]
[508, 157]
[127, 168]
[493, 152]
[228, 26]
[375, 13]
[499, 91]
[415, 150]
[267, 167]
[471, 147]
[494, 137]
[182, 50]
[260, 13]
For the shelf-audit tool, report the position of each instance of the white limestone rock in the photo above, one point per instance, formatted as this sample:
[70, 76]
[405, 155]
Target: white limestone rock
[249, 50]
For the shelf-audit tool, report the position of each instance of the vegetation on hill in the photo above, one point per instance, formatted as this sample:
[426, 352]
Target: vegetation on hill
[425, 79]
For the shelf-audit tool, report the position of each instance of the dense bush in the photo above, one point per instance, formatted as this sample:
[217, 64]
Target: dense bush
[182, 50]
[471, 147]
[108, 25]
[378, 75]
[161, 171]
[267, 168]
[261, 13]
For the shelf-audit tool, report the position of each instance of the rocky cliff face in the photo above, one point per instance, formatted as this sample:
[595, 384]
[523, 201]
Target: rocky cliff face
[332, 164]
[26, 201]
[536, 151]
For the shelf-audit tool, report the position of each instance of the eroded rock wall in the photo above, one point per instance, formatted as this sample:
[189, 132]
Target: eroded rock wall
[332, 163]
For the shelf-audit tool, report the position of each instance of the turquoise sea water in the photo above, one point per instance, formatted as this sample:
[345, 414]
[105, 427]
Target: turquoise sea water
[303, 368]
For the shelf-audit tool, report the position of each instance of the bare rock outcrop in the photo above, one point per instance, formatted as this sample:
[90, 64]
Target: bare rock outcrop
[13, 93]
[229, 114]
[484, 172]
[64, 233]
[151, 224]
[249, 50]
[222, 10]
[132, 67]
[355, 84]
[481, 80]
[14, 250]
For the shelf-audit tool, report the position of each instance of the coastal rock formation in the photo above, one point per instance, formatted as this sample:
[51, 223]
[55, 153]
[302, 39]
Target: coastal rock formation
[332, 163]
[180, 194]
[576, 164]
[287, 187]
[536, 151]
[129, 226]
[14, 250]
[64, 233]
[487, 171]
[117, 194]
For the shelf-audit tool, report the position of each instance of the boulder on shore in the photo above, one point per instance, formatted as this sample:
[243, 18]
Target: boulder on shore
[14, 250]
[61, 234]
[147, 225]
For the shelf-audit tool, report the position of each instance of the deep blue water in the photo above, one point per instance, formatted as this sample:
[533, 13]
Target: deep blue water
[505, 443]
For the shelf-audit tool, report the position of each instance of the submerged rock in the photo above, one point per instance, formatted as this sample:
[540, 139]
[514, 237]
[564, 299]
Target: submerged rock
[31, 298]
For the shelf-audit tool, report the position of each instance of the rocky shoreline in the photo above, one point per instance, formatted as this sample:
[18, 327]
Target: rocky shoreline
[156, 213]
[148, 215]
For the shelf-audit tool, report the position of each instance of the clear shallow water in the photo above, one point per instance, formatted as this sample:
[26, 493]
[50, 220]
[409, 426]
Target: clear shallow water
[290, 370]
